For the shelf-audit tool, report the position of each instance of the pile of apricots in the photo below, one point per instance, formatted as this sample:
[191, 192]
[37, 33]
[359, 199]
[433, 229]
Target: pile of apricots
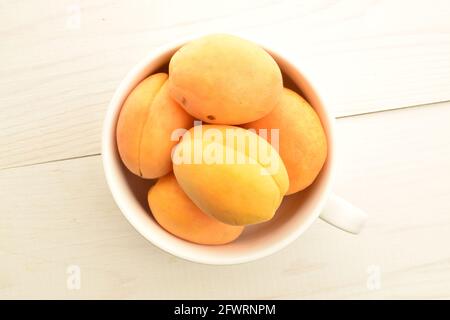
[232, 86]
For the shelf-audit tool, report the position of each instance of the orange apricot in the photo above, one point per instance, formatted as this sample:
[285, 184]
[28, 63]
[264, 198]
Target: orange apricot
[230, 173]
[145, 125]
[177, 214]
[223, 79]
[302, 140]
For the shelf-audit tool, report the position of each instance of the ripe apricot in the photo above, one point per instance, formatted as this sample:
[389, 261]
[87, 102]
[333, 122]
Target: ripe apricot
[176, 213]
[146, 121]
[302, 140]
[223, 79]
[230, 173]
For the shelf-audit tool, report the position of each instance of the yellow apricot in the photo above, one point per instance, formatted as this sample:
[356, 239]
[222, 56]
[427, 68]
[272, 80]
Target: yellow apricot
[230, 173]
[146, 121]
[223, 79]
[302, 140]
[176, 213]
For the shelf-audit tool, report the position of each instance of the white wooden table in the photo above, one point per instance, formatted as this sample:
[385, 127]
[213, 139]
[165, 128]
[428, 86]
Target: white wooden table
[384, 64]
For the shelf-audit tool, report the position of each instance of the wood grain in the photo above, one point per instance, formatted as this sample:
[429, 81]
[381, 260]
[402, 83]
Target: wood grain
[61, 60]
[392, 164]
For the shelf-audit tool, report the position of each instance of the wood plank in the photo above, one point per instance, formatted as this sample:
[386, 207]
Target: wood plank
[60, 68]
[393, 164]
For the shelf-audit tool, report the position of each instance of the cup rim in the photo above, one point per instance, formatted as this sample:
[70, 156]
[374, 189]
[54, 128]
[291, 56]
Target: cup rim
[107, 143]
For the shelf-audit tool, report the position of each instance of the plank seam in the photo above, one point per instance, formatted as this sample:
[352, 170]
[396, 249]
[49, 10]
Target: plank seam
[339, 117]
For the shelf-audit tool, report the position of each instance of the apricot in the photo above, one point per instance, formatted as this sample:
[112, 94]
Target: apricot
[176, 213]
[146, 121]
[302, 140]
[230, 173]
[223, 79]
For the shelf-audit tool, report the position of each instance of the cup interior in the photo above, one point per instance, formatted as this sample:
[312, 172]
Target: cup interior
[295, 215]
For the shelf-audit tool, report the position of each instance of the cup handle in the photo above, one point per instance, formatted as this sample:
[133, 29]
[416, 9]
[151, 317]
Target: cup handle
[342, 214]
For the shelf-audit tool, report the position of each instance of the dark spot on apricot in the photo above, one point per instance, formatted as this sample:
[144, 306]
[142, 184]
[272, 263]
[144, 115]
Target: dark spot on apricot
[183, 101]
[210, 117]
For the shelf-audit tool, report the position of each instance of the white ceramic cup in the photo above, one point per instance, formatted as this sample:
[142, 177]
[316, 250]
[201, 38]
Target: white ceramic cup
[295, 215]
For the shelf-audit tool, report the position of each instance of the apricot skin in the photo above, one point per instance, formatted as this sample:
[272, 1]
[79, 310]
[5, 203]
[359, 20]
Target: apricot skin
[234, 193]
[302, 140]
[146, 121]
[177, 214]
[223, 79]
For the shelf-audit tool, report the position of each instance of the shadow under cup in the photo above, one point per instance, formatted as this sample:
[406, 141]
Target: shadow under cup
[295, 215]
